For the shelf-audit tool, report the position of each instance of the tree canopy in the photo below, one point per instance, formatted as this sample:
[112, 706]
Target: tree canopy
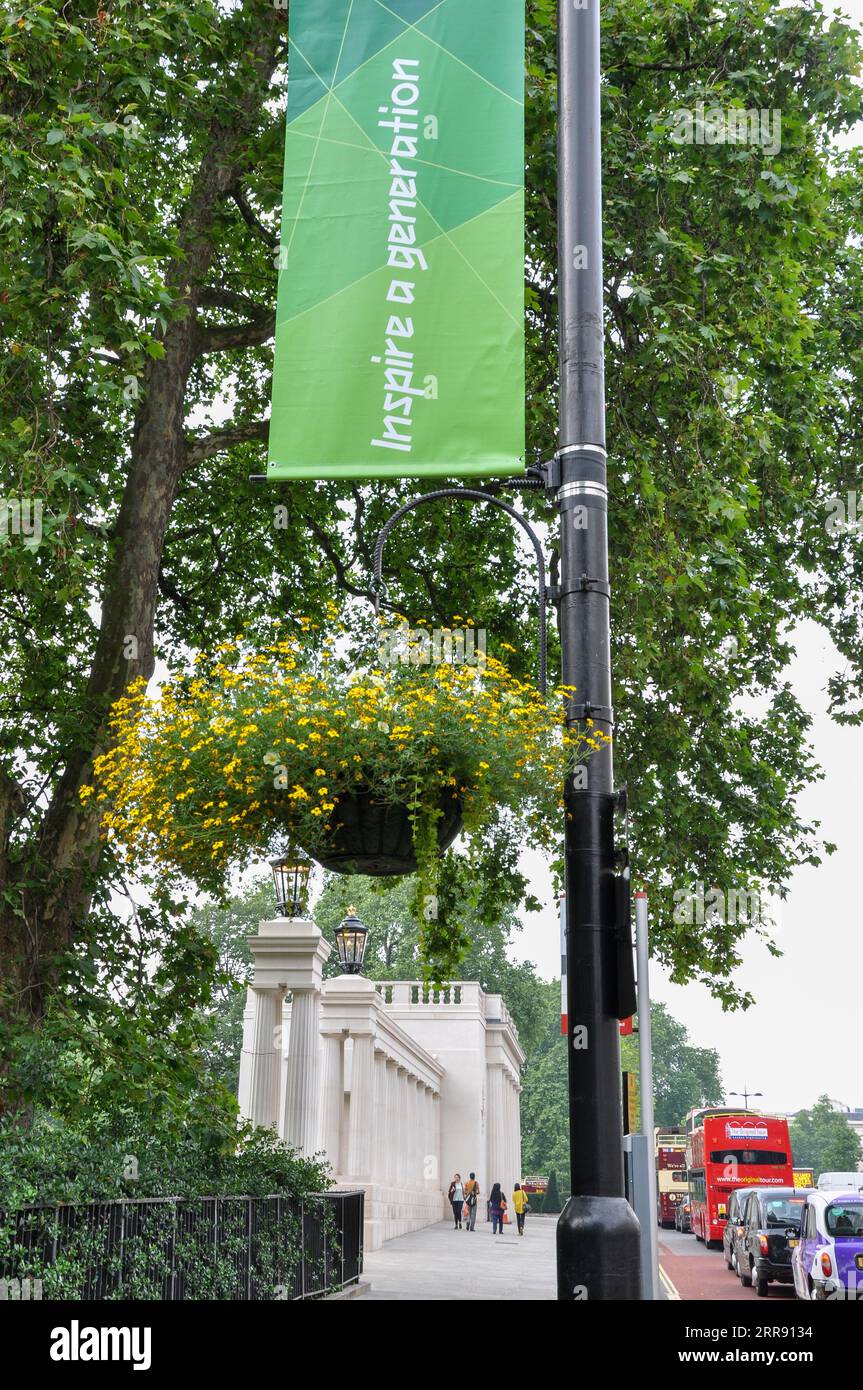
[141, 159]
[821, 1138]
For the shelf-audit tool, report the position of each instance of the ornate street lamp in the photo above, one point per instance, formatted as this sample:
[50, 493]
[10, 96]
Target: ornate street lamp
[291, 878]
[351, 937]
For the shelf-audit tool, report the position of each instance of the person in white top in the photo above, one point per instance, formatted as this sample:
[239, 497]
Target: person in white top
[456, 1198]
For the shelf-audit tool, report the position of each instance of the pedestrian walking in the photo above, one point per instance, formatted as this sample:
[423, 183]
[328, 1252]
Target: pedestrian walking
[455, 1197]
[471, 1197]
[519, 1206]
[497, 1202]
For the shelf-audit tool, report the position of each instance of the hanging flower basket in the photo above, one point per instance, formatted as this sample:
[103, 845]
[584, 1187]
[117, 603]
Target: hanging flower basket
[374, 837]
[372, 769]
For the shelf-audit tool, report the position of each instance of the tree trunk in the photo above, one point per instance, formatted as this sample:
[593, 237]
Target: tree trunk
[40, 920]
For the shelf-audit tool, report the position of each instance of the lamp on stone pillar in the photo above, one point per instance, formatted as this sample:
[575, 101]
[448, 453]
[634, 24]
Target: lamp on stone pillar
[351, 937]
[291, 880]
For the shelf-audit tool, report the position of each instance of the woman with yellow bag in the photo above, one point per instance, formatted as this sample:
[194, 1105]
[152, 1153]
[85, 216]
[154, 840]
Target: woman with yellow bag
[520, 1206]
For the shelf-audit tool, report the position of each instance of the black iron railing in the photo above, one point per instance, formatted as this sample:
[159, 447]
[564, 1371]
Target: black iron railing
[170, 1249]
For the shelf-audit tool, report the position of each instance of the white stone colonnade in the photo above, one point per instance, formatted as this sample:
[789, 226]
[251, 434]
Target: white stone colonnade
[395, 1085]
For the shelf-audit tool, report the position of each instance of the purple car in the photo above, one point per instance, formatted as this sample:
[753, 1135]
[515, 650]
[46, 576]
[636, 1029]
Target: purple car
[828, 1261]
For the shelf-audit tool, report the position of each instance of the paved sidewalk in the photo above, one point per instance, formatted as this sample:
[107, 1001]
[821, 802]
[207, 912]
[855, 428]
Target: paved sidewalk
[441, 1263]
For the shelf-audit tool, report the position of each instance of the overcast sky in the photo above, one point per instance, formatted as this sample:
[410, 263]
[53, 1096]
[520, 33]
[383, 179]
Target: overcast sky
[803, 1037]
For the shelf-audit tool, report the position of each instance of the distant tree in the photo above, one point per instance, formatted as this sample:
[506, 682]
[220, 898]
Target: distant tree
[821, 1138]
[544, 1111]
[551, 1202]
[683, 1075]
[229, 926]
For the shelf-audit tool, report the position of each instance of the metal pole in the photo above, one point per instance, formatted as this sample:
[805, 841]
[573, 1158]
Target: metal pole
[645, 1072]
[598, 1254]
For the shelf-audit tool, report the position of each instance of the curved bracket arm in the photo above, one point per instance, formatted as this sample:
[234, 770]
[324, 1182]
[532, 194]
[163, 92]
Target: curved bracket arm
[473, 495]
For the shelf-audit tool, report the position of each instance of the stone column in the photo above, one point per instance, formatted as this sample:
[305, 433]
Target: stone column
[246, 1053]
[517, 1107]
[400, 1128]
[420, 1144]
[409, 1132]
[441, 1178]
[302, 1073]
[430, 1178]
[332, 1098]
[424, 1135]
[503, 1164]
[512, 1176]
[495, 1125]
[379, 1117]
[362, 1108]
[283, 1049]
[507, 1180]
[263, 1072]
[391, 1146]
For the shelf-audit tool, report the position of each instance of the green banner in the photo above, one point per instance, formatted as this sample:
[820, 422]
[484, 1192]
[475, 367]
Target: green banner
[400, 325]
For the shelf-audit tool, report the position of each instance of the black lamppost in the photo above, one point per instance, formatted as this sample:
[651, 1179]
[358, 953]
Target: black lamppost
[598, 1236]
[291, 879]
[351, 936]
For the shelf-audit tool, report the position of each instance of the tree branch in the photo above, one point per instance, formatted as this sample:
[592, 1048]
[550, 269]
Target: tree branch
[203, 446]
[269, 238]
[338, 564]
[219, 297]
[223, 337]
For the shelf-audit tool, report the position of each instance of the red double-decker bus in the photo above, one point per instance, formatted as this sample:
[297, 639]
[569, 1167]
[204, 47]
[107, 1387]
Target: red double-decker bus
[670, 1151]
[725, 1151]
